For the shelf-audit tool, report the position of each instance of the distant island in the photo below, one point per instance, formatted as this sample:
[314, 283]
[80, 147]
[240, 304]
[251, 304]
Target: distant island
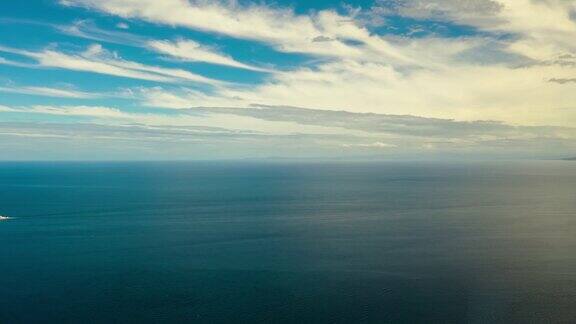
[570, 159]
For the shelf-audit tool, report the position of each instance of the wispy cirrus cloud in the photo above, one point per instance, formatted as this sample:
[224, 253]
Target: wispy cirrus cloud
[97, 60]
[188, 50]
[89, 30]
[180, 49]
[50, 92]
[281, 28]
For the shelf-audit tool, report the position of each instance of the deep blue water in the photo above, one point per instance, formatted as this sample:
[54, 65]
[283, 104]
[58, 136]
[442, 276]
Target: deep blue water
[239, 242]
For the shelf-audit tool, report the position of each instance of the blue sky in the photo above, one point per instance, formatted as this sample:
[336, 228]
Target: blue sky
[176, 79]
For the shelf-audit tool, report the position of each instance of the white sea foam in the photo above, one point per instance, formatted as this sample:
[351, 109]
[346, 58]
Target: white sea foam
[4, 218]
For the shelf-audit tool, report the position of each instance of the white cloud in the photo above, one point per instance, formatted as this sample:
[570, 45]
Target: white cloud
[184, 98]
[4, 61]
[122, 25]
[188, 50]
[281, 28]
[461, 91]
[181, 49]
[6, 109]
[115, 116]
[50, 92]
[486, 76]
[89, 30]
[372, 145]
[542, 28]
[280, 131]
[97, 60]
[89, 111]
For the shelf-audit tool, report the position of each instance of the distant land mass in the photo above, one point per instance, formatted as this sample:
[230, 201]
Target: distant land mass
[570, 159]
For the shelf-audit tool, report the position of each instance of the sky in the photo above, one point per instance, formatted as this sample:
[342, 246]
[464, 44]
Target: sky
[357, 79]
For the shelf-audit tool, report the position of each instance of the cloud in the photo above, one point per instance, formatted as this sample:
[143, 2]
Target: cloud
[494, 75]
[4, 61]
[91, 111]
[322, 38]
[89, 30]
[124, 132]
[6, 109]
[181, 49]
[562, 81]
[362, 130]
[115, 116]
[278, 27]
[183, 98]
[282, 120]
[89, 141]
[371, 145]
[541, 28]
[50, 92]
[96, 59]
[486, 88]
[468, 11]
[188, 50]
[236, 133]
[397, 125]
[454, 89]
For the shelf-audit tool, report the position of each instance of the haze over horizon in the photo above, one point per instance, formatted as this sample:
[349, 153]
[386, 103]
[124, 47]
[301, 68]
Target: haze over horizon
[175, 79]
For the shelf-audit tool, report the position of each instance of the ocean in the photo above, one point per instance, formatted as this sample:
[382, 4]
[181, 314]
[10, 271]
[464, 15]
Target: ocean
[288, 242]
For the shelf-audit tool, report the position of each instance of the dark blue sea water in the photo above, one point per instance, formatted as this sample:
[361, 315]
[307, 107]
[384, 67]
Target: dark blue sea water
[240, 242]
